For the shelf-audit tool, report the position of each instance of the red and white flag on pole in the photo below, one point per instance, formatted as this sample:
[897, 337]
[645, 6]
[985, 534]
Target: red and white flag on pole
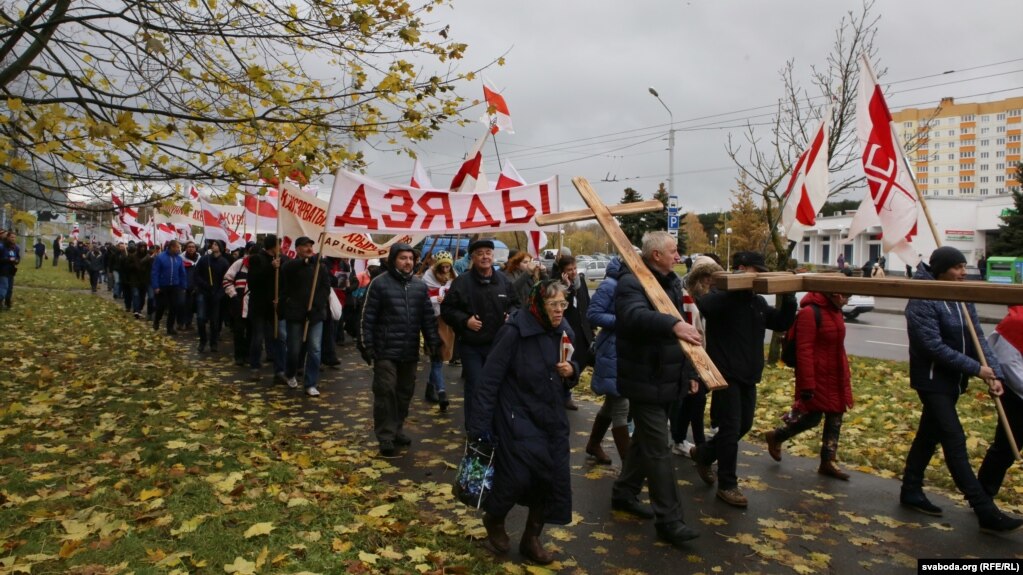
[510, 178]
[892, 195]
[214, 228]
[808, 185]
[420, 179]
[121, 208]
[260, 213]
[497, 117]
[471, 177]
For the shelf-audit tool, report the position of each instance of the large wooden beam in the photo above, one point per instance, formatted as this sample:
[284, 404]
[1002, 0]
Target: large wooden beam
[616, 210]
[709, 374]
[784, 282]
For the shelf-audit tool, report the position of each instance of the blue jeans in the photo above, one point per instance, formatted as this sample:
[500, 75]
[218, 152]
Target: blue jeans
[473, 358]
[207, 308]
[262, 336]
[135, 299]
[117, 284]
[437, 375]
[5, 284]
[312, 349]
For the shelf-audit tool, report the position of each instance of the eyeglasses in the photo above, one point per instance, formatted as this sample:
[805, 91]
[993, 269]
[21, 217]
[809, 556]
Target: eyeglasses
[560, 304]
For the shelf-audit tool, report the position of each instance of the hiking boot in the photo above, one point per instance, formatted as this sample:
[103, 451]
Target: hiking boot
[442, 401]
[774, 446]
[998, 522]
[919, 502]
[831, 470]
[632, 506]
[705, 472]
[387, 448]
[676, 533]
[431, 394]
[733, 497]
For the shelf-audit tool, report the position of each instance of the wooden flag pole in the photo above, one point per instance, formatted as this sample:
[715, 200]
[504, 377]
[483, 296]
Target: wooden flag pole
[709, 374]
[1003, 420]
[312, 292]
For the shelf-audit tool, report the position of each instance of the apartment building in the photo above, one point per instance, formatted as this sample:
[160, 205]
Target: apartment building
[963, 149]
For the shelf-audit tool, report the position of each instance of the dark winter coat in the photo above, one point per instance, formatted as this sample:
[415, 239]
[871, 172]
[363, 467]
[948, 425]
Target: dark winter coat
[520, 400]
[736, 324]
[208, 274]
[397, 309]
[261, 284]
[490, 299]
[168, 271]
[578, 305]
[941, 354]
[821, 363]
[651, 365]
[601, 313]
[131, 269]
[94, 260]
[297, 282]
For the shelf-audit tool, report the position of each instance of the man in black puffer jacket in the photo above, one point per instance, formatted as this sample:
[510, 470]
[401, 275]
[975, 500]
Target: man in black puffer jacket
[396, 311]
[299, 278]
[653, 373]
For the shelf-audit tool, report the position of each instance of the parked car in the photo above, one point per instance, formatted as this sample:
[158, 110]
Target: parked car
[857, 304]
[593, 269]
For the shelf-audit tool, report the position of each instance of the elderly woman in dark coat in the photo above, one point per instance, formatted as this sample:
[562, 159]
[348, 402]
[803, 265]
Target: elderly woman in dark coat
[520, 402]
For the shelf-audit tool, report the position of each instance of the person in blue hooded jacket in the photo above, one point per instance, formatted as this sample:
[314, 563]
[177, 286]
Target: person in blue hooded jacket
[169, 282]
[614, 412]
[942, 358]
[519, 403]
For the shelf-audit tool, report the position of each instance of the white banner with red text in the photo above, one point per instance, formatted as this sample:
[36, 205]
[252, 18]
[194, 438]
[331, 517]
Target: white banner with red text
[361, 204]
[303, 214]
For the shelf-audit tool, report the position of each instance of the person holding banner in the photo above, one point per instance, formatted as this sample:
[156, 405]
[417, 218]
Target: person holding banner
[305, 293]
[262, 271]
[396, 312]
[942, 359]
[476, 306]
[209, 294]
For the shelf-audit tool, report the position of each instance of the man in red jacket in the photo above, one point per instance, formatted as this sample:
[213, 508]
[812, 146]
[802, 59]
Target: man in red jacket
[823, 388]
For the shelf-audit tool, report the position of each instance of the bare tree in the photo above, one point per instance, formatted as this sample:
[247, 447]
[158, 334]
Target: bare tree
[140, 91]
[767, 161]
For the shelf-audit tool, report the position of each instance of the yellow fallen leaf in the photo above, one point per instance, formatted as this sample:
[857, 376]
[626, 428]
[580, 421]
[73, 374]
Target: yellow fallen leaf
[241, 566]
[380, 510]
[259, 529]
[189, 525]
[601, 536]
[148, 494]
[389, 553]
[368, 558]
[261, 558]
[297, 502]
[417, 554]
[340, 546]
[310, 536]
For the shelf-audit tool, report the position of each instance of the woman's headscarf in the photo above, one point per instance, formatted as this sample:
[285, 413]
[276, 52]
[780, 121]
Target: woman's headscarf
[536, 306]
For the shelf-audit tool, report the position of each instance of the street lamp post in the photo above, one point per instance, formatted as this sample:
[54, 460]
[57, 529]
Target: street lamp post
[671, 143]
[728, 240]
[715, 243]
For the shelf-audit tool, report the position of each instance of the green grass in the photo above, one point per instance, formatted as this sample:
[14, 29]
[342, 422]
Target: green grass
[47, 276]
[115, 452]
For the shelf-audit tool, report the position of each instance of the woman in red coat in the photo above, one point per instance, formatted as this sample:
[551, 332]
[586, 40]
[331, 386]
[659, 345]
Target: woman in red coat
[823, 387]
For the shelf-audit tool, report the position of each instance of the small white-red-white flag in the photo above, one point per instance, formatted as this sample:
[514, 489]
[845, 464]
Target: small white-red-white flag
[808, 185]
[497, 117]
[892, 193]
[420, 179]
[471, 177]
[260, 213]
[119, 205]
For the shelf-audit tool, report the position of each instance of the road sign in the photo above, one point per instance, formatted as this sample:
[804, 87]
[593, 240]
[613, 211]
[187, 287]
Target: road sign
[672, 222]
[672, 203]
[673, 232]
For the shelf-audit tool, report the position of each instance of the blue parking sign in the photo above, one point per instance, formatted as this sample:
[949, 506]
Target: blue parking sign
[672, 222]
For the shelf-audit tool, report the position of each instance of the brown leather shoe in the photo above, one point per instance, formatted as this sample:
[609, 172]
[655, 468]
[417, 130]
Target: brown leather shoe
[733, 497]
[705, 472]
[831, 470]
[773, 446]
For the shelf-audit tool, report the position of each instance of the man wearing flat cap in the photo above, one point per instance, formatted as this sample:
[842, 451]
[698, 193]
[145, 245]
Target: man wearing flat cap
[476, 306]
[296, 284]
[736, 323]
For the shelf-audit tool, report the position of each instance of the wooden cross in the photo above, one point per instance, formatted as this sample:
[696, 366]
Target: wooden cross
[604, 215]
[786, 282]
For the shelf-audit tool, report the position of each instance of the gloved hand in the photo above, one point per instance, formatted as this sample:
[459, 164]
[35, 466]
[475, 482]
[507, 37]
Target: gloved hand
[367, 355]
[806, 395]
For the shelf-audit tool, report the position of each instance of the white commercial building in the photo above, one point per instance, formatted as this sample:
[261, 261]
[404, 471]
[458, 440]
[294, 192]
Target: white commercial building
[962, 222]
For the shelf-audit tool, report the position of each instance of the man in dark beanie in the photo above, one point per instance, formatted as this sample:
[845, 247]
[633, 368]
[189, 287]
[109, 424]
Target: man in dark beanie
[941, 361]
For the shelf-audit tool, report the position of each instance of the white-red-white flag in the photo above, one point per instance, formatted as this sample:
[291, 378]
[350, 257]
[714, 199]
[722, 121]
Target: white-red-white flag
[892, 193]
[497, 117]
[471, 177]
[536, 239]
[420, 179]
[214, 228]
[119, 205]
[808, 185]
[260, 213]
[75, 231]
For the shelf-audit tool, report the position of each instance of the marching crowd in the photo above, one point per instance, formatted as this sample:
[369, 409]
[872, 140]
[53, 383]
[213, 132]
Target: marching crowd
[508, 328]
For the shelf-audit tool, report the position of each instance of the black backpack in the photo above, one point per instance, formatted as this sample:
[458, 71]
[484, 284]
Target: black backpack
[788, 349]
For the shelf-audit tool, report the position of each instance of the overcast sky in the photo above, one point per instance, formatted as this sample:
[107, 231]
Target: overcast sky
[577, 75]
